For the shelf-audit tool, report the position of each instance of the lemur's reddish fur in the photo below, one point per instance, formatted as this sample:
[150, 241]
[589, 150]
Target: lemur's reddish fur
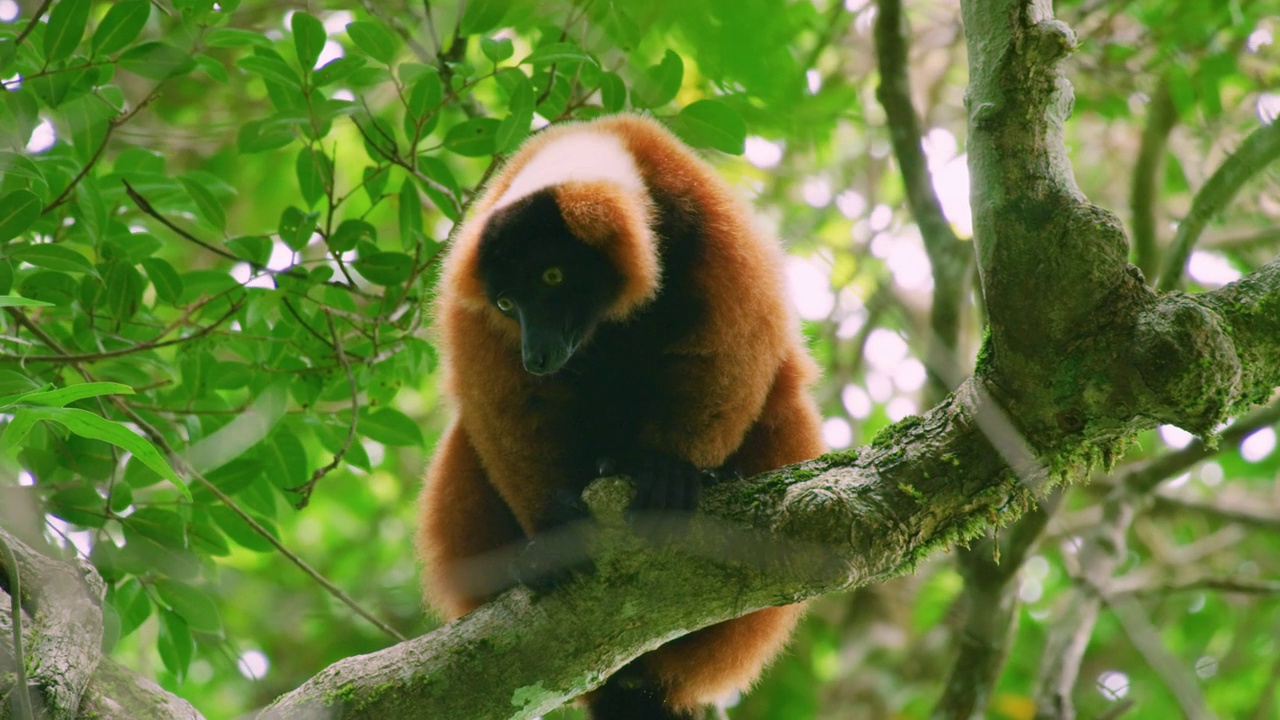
[739, 382]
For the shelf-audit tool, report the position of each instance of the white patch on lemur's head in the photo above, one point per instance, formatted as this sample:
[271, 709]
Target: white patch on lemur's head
[583, 155]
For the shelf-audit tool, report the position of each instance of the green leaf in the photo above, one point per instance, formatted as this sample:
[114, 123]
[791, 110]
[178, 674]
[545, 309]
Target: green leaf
[193, 604]
[388, 426]
[164, 279]
[86, 424]
[254, 248]
[23, 420]
[295, 227]
[660, 83]
[175, 643]
[315, 174]
[410, 215]
[560, 52]
[132, 604]
[120, 26]
[515, 126]
[206, 538]
[63, 396]
[240, 531]
[426, 95]
[232, 477]
[212, 67]
[613, 92]
[52, 257]
[208, 206]
[482, 16]
[15, 301]
[163, 526]
[374, 39]
[335, 70]
[156, 60]
[375, 181]
[384, 268]
[284, 459]
[233, 440]
[436, 169]
[711, 124]
[260, 135]
[308, 39]
[473, 138]
[66, 26]
[48, 286]
[349, 233]
[270, 68]
[19, 210]
[497, 50]
[124, 290]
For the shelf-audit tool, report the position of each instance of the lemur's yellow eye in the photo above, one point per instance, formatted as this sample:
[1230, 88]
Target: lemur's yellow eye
[505, 305]
[552, 276]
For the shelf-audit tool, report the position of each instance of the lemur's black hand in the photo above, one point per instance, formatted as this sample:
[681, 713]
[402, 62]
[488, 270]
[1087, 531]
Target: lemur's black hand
[558, 551]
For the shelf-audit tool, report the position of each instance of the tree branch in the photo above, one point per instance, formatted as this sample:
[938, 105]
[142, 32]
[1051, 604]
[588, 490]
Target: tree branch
[74, 682]
[836, 522]
[948, 256]
[1256, 152]
[1102, 550]
[1162, 116]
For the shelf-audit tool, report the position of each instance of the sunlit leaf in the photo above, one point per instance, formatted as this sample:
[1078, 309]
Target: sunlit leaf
[67, 21]
[121, 25]
[515, 126]
[384, 268]
[208, 206]
[380, 43]
[308, 38]
[87, 424]
[52, 257]
[473, 138]
[560, 52]
[497, 50]
[67, 395]
[482, 15]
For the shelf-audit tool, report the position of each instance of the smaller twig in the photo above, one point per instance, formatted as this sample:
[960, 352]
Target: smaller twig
[294, 312]
[431, 25]
[834, 15]
[1256, 152]
[147, 208]
[35, 19]
[1162, 115]
[396, 159]
[1146, 640]
[181, 466]
[306, 488]
[1125, 585]
[19, 652]
[1259, 513]
[22, 319]
[97, 154]
[1116, 710]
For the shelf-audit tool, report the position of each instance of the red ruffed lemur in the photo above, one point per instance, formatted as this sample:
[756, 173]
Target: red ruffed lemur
[608, 303]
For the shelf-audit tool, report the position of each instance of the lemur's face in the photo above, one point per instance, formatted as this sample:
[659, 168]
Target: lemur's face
[536, 272]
